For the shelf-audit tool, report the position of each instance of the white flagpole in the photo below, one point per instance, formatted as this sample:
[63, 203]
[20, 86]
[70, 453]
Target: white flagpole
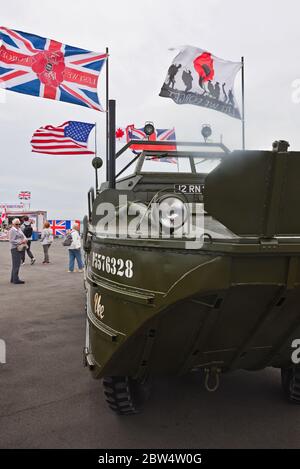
[243, 104]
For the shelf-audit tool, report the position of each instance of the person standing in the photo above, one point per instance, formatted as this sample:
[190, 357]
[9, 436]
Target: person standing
[75, 250]
[27, 230]
[17, 239]
[46, 240]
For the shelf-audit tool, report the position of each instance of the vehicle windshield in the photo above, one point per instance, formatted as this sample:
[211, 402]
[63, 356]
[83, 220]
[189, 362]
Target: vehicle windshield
[206, 165]
[166, 165]
[185, 164]
[185, 161]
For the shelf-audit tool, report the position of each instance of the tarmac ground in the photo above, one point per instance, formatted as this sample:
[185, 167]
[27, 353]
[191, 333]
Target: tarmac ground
[49, 400]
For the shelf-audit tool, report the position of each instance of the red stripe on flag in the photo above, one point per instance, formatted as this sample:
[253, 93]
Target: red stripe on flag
[12, 58]
[91, 59]
[78, 96]
[83, 152]
[51, 127]
[79, 77]
[13, 75]
[49, 92]
[143, 146]
[48, 134]
[51, 140]
[20, 38]
[54, 45]
[57, 147]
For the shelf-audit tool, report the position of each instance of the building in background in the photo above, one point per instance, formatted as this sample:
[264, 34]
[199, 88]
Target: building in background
[18, 210]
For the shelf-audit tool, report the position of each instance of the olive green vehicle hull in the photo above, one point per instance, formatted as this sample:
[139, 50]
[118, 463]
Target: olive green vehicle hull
[228, 305]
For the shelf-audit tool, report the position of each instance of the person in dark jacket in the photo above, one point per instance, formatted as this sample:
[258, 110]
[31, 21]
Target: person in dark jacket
[27, 230]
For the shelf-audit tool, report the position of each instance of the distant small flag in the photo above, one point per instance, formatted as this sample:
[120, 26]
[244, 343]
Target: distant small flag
[3, 215]
[60, 227]
[69, 138]
[24, 195]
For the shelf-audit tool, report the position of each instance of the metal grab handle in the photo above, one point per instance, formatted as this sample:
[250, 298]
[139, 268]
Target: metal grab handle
[210, 374]
[91, 198]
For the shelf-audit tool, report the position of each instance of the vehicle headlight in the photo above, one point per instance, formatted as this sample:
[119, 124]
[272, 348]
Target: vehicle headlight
[170, 212]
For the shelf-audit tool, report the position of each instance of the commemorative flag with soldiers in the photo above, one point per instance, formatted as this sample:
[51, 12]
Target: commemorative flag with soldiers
[46, 68]
[200, 78]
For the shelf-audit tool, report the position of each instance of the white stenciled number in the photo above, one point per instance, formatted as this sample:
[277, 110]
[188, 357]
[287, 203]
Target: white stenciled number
[113, 268]
[129, 268]
[107, 265]
[120, 263]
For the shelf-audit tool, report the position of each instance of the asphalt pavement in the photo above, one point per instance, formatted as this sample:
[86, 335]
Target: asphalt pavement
[49, 400]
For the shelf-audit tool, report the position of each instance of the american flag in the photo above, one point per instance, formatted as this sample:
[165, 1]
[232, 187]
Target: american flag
[159, 135]
[69, 138]
[24, 195]
[43, 67]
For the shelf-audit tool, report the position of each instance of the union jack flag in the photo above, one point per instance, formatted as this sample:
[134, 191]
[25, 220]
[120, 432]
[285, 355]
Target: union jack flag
[159, 135]
[43, 67]
[25, 195]
[59, 227]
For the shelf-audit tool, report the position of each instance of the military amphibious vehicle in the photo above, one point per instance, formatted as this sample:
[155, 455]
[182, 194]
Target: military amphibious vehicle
[224, 298]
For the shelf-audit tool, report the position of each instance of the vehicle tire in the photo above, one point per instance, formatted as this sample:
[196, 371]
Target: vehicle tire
[124, 395]
[290, 380]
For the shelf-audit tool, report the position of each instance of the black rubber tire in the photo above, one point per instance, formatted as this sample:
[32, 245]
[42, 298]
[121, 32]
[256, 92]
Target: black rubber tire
[124, 395]
[290, 380]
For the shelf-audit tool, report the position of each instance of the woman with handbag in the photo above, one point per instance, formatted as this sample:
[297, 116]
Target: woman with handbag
[74, 247]
[18, 243]
[46, 239]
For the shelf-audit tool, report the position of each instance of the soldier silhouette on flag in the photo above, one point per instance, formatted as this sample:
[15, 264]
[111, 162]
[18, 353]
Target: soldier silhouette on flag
[187, 80]
[173, 70]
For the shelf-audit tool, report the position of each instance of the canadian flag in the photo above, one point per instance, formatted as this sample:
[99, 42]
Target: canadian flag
[121, 134]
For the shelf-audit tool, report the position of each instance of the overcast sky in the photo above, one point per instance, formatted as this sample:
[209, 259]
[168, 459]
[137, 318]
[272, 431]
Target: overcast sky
[139, 35]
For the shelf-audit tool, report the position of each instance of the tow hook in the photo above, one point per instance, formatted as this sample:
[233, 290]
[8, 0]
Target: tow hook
[212, 378]
[85, 354]
[88, 358]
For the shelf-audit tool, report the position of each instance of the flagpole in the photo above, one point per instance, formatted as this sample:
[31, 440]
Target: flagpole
[243, 103]
[95, 138]
[96, 172]
[107, 115]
